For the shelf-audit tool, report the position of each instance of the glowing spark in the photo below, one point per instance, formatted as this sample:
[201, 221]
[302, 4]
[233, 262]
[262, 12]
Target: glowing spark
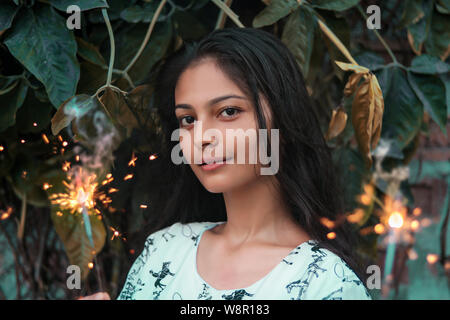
[432, 258]
[34, 124]
[331, 235]
[46, 186]
[417, 211]
[357, 216]
[60, 139]
[22, 141]
[90, 265]
[132, 251]
[66, 166]
[65, 144]
[415, 225]
[132, 162]
[111, 190]
[143, 206]
[59, 214]
[5, 214]
[379, 228]
[116, 233]
[108, 176]
[152, 157]
[128, 177]
[81, 192]
[77, 158]
[395, 220]
[44, 137]
[24, 174]
[2, 148]
[327, 223]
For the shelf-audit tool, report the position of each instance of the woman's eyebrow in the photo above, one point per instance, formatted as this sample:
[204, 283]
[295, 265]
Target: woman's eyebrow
[212, 101]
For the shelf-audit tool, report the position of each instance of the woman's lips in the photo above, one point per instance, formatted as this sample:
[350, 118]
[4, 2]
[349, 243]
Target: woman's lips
[213, 165]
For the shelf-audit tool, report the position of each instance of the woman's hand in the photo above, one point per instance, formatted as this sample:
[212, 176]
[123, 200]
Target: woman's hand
[96, 296]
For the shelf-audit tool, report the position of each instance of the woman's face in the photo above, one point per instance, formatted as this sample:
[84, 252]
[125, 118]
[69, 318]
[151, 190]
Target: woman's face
[206, 99]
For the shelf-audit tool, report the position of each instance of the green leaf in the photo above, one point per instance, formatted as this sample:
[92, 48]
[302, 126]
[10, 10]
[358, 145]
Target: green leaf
[74, 107]
[298, 36]
[145, 13]
[7, 13]
[427, 64]
[90, 52]
[335, 5]
[412, 13]
[446, 81]
[370, 60]
[438, 41]
[70, 228]
[83, 4]
[10, 103]
[41, 41]
[276, 10]
[403, 112]
[431, 92]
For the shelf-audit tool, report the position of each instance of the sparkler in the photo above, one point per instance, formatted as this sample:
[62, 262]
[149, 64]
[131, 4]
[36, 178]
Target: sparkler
[80, 197]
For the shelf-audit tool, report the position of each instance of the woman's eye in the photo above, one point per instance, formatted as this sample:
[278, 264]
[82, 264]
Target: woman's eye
[230, 112]
[185, 121]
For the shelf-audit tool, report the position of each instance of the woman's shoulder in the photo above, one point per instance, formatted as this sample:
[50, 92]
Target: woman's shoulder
[179, 232]
[325, 275]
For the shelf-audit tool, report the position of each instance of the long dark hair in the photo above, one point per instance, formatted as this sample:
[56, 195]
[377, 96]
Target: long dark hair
[260, 64]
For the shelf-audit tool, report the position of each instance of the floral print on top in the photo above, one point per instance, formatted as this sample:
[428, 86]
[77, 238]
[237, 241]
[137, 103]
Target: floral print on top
[167, 270]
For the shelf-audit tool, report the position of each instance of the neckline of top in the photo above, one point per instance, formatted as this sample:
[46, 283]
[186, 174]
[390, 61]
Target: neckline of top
[213, 224]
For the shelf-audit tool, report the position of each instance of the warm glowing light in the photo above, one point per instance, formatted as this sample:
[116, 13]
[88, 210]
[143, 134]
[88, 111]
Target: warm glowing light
[5, 214]
[327, 223]
[331, 235]
[77, 158]
[34, 124]
[395, 220]
[65, 143]
[412, 254]
[152, 157]
[379, 228]
[143, 206]
[111, 190]
[108, 176]
[81, 192]
[415, 225]
[128, 176]
[66, 166]
[24, 174]
[60, 139]
[357, 216]
[90, 265]
[417, 212]
[2, 148]
[22, 141]
[44, 137]
[46, 186]
[132, 162]
[432, 258]
[59, 213]
[116, 233]
[132, 251]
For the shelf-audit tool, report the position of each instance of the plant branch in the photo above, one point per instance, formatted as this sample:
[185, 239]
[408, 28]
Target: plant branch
[113, 47]
[233, 16]
[330, 34]
[222, 16]
[379, 36]
[147, 36]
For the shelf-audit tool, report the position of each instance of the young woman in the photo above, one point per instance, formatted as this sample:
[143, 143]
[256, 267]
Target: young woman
[228, 231]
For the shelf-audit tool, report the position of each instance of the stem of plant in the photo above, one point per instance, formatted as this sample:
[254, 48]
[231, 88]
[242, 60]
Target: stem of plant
[147, 36]
[391, 54]
[113, 47]
[233, 16]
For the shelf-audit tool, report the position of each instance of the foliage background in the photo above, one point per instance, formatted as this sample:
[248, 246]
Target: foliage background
[44, 64]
